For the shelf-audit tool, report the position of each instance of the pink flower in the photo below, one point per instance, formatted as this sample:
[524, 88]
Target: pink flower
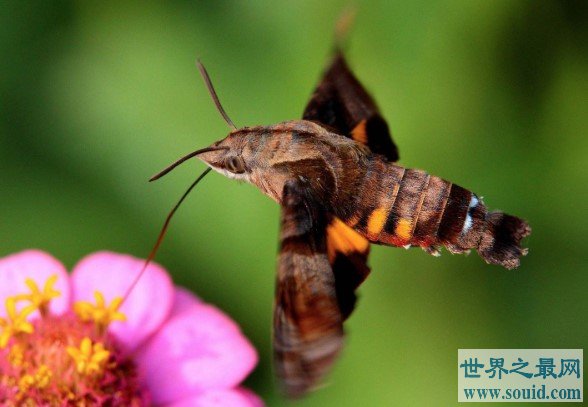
[161, 345]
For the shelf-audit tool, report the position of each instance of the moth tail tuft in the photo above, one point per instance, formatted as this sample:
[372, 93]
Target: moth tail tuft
[500, 242]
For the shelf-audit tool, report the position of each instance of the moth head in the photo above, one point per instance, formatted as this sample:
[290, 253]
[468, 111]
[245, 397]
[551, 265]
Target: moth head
[231, 156]
[226, 157]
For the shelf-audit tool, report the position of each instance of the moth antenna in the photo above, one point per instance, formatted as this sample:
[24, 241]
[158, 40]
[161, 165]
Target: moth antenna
[162, 234]
[343, 26]
[185, 158]
[213, 94]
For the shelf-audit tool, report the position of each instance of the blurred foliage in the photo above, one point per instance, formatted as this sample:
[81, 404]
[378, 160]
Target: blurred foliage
[97, 96]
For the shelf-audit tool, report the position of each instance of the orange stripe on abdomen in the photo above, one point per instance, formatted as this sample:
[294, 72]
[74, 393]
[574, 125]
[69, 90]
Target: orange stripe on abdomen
[378, 193]
[403, 214]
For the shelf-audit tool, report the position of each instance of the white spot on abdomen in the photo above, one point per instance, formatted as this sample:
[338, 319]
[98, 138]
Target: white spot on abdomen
[468, 220]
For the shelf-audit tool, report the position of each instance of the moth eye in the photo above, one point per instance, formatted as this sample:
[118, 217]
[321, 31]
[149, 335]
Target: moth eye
[235, 164]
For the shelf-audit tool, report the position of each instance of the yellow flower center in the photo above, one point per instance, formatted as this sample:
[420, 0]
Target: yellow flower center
[39, 380]
[16, 321]
[63, 360]
[40, 299]
[101, 314]
[90, 358]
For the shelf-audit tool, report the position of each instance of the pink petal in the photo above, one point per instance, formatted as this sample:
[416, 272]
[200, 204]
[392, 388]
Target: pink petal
[253, 398]
[39, 266]
[221, 398]
[198, 350]
[184, 300]
[147, 306]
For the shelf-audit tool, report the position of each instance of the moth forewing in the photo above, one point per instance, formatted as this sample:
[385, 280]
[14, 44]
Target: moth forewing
[308, 324]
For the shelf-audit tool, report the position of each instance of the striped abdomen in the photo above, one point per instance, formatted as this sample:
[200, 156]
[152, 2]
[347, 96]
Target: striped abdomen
[400, 206]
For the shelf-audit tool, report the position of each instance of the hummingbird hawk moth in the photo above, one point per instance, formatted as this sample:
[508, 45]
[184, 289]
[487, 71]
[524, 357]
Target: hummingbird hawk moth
[335, 176]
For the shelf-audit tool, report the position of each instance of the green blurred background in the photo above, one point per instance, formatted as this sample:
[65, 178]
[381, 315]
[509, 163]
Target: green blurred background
[97, 96]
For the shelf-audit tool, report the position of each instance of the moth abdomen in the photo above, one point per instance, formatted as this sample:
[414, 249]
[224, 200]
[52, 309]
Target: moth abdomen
[409, 207]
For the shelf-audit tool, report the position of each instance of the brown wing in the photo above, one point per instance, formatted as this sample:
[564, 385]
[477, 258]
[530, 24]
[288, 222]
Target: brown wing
[308, 324]
[348, 252]
[341, 102]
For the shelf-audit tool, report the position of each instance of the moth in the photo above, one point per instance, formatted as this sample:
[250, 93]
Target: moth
[335, 175]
